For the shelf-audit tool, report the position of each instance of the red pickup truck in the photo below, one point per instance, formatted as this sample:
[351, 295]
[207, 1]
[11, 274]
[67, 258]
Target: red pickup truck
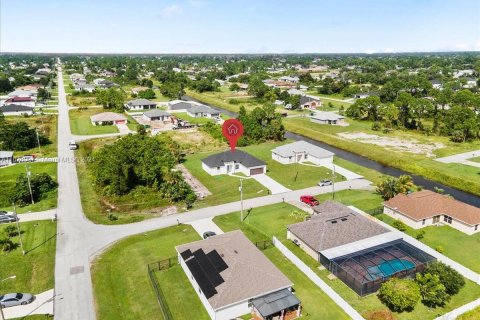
[310, 200]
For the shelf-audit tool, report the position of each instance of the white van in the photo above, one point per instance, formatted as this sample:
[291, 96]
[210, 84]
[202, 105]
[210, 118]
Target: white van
[73, 145]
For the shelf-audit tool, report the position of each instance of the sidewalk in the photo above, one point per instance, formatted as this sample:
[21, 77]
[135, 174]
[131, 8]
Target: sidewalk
[270, 184]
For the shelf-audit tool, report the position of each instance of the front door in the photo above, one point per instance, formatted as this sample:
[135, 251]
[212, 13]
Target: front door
[229, 168]
[436, 219]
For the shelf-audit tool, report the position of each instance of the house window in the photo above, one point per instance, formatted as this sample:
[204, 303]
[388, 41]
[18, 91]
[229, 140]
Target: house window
[218, 168]
[447, 219]
[423, 222]
[306, 156]
[237, 166]
[476, 227]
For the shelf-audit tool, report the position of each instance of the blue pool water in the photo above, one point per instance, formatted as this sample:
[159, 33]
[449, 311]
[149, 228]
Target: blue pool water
[387, 268]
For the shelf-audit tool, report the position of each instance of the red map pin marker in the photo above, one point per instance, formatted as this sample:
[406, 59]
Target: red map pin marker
[232, 129]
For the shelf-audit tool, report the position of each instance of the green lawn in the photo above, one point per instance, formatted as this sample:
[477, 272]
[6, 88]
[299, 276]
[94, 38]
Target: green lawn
[80, 123]
[34, 271]
[364, 200]
[476, 159]
[458, 246]
[456, 175]
[182, 300]
[121, 285]
[471, 315]
[271, 220]
[224, 188]
[186, 117]
[8, 177]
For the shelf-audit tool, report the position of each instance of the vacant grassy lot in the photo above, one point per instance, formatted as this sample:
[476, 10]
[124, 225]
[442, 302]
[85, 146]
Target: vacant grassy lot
[121, 284]
[81, 101]
[34, 271]
[80, 123]
[458, 246]
[181, 298]
[459, 176]
[8, 177]
[272, 220]
[367, 201]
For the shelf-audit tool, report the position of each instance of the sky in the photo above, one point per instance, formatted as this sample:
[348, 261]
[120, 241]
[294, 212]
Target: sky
[239, 26]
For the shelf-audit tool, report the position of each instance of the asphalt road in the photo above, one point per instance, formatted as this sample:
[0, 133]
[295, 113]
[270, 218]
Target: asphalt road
[79, 240]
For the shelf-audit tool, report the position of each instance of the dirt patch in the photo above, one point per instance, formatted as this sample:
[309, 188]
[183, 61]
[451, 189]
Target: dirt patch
[396, 144]
[200, 190]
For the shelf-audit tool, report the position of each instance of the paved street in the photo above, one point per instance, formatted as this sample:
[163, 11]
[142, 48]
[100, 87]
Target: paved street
[79, 240]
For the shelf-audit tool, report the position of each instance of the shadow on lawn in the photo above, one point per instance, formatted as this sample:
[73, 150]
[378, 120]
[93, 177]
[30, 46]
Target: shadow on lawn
[41, 244]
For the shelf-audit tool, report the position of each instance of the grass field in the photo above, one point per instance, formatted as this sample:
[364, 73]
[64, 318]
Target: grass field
[81, 101]
[471, 315]
[272, 220]
[120, 280]
[476, 159]
[186, 117]
[454, 242]
[34, 271]
[80, 123]
[456, 175]
[9, 175]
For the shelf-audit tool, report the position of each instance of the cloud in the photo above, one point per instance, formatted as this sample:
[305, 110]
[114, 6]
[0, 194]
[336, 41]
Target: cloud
[171, 10]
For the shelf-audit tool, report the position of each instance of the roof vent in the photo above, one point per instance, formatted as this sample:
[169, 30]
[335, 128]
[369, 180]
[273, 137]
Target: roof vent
[334, 221]
[235, 251]
[344, 219]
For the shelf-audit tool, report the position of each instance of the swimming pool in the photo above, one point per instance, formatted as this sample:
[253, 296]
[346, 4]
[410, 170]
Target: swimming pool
[389, 267]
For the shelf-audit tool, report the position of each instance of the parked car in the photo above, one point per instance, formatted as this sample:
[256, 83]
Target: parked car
[208, 234]
[310, 200]
[16, 299]
[325, 182]
[27, 158]
[72, 145]
[2, 213]
[7, 218]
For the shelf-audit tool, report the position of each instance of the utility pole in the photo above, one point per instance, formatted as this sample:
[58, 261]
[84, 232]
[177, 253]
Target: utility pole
[38, 141]
[29, 185]
[18, 228]
[241, 199]
[2, 316]
[333, 183]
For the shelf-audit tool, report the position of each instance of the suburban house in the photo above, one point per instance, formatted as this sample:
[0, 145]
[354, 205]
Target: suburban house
[470, 83]
[201, 111]
[16, 110]
[309, 103]
[363, 95]
[108, 118]
[23, 93]
[157, 115]
[180, 105]
[105, 84]
[22, 101]
[355, 248]
[326, 117]
[302, 151]
[6, 158]
[289, 79]
[233, 162]
[31, 87]
[436, 84]
[426, 208]
[84, 87]
[232, 278]
[140, 104]
[296, 92]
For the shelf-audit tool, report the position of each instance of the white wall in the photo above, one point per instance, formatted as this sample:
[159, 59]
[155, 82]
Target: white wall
[233, 311]
[18, 113]
[223, 169]
[295, 159]
[312, 253]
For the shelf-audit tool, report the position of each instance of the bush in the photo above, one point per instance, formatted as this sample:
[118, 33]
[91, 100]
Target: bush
[399, 225]
[376, 126]
[449, 277]
[439, 249]
[432, 290]
[420, 234]
[7, 245]
[399, 294]
[10, 231]
[40, 183]
[112, 217]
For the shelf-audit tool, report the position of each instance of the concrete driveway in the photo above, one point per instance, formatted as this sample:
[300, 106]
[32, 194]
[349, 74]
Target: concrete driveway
[123, 128]
[349, 175]
[204, 225]
[43, 304]
[270, 184]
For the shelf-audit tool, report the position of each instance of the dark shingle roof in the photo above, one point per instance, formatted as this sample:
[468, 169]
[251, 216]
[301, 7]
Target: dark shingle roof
[334, 225]
[156, 113]
[15, 108]
[218, 160]
[203, 109]
[181, 105]
[305, 99]
[140, 102]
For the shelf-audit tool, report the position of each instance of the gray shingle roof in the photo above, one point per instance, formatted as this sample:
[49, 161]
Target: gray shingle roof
[306, 99]
[15, 108]
[333, 226]
[290, 149]
[180, 105]
[140, 102]
[249, 274]
[156, 113]
[219, 159]
[203, 109]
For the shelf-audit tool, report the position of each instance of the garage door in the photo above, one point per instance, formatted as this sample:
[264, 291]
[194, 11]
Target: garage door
[120, 122]
[256, 171]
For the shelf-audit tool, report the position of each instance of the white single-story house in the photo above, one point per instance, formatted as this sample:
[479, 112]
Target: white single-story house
[6, 158]
[16, 110]
[21, 101]
[232, 277]
[108, 118]
[157, 115]
[229, 162]
[311, 103]
[296, 92]
[84, 87]
[302, 151]
[23, 93]
[326, 117]
[202, 111]
[140, 104]
[426, 208]
[289, 79]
